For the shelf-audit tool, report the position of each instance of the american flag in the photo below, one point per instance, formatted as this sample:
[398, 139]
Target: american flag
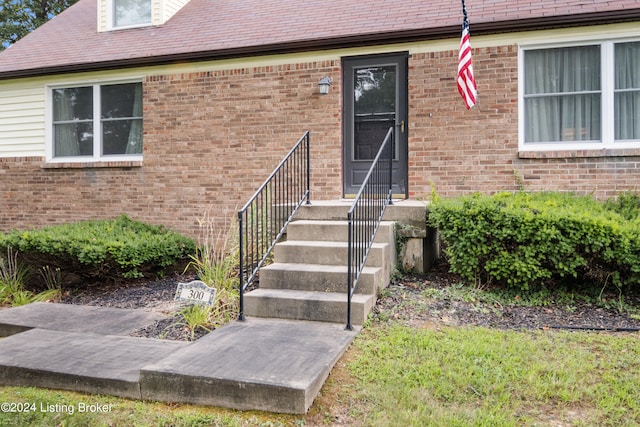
[466, 82]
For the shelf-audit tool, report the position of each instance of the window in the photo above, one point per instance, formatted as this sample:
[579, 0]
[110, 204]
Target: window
[581, 97]
[97, 121]
[627, 91]
[127, 13]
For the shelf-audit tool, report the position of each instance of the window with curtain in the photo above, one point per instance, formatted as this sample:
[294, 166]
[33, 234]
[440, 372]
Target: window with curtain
[581, 96]
[627, 91]
[73, 122]
[562, 94]
[97, 121]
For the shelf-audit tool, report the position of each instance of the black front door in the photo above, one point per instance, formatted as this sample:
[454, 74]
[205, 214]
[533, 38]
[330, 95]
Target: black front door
[375, 98]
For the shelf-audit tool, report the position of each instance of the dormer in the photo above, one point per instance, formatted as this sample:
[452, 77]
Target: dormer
[121, 14]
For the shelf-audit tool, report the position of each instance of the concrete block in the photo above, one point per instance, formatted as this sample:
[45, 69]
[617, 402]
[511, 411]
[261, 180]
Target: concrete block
[262, 364]
[91, 363]
[75, 318]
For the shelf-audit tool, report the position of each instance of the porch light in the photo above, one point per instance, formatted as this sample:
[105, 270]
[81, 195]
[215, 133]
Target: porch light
[324, 84]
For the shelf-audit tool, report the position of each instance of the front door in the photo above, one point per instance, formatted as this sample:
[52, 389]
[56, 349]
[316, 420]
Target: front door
[375, 98]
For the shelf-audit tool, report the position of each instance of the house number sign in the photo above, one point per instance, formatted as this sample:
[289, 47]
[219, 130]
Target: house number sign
[195, 292]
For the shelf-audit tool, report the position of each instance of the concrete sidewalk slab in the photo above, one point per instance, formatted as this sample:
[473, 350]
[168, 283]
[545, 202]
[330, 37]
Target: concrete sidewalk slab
[265, 364]
[75, 318]
[85, 362]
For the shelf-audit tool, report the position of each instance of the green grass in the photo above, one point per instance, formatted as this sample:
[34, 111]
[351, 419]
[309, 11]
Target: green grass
[406, 376]
[483, 377]
[120, 412]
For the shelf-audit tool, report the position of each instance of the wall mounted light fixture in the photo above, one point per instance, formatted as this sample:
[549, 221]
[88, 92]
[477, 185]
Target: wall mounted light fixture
[324, 85]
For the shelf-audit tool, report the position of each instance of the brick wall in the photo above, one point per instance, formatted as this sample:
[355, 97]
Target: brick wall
[210, 138]
[460, 151]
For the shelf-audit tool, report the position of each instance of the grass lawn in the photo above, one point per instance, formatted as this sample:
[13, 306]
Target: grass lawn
[425, 375]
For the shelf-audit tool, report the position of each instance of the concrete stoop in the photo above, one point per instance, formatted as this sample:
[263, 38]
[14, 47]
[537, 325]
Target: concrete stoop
[308, 278]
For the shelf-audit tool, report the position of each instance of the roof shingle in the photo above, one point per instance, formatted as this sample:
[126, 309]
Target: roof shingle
[222, 28]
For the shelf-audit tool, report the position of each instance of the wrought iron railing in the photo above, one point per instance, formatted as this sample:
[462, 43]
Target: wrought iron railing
[263, 220]
[366, 214]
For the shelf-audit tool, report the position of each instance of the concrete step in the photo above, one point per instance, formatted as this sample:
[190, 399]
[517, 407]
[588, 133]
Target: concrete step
[331, 230]
[258, 364]
[327, 253]
[307, 305]
[411, 212]
[319, 278]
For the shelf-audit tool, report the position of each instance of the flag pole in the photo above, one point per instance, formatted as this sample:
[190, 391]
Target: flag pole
[464, 14]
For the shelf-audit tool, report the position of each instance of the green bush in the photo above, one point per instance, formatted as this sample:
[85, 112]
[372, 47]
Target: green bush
[102, 249]
[528, 239]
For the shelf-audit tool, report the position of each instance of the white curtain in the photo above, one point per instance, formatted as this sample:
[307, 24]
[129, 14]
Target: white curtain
[65, 134]
[562, 94]
[627, 97]
[134, 143]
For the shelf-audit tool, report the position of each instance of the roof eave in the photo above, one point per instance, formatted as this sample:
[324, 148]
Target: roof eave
[359, 40]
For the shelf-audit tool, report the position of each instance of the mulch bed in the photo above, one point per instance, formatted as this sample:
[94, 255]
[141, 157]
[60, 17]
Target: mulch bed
[155, 295]
[405, 302]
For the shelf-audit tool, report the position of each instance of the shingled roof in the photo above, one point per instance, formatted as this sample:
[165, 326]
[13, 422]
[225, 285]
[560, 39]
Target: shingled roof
[211, 29]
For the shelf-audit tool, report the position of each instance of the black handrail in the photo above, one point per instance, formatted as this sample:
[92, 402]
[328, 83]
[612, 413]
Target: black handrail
[263, 220]
[366, 214]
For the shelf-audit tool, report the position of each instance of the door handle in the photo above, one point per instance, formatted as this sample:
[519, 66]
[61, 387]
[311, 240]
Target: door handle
[401, 125]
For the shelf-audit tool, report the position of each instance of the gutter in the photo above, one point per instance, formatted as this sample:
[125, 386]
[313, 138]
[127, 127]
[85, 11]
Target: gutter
[360, 40]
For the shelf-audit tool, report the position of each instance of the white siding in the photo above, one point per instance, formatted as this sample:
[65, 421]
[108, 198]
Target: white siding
[157, 16]
[171, 7]
[22, 131]
[103, 7]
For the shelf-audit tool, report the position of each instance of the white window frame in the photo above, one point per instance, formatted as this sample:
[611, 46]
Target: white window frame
[607, 107]
[97, 125]
[111, 21]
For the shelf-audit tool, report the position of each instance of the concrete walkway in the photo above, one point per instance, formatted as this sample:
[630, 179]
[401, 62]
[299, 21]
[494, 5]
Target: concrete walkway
[266, 364]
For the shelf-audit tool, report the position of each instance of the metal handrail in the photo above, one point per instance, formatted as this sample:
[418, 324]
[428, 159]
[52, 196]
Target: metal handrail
[366, 213]
[264, 218]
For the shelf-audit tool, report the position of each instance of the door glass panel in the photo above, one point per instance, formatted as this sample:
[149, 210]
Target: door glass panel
[374, 109]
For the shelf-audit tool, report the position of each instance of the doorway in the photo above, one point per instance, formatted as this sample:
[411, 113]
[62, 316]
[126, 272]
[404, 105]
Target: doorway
[374, 99]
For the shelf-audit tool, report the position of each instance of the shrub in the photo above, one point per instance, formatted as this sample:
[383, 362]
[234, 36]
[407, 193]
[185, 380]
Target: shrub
[527, 239]
[216, 264]
[102, 249]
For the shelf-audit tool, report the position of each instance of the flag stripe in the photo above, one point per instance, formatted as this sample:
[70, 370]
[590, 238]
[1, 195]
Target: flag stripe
[466, 81]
